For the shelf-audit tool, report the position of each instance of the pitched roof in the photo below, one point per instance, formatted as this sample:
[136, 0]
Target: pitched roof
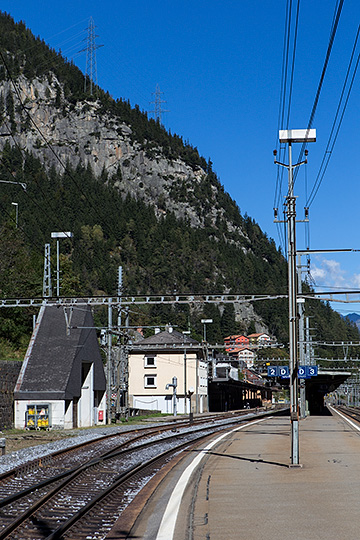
[236, 336]
[168, 339]
[52, 368]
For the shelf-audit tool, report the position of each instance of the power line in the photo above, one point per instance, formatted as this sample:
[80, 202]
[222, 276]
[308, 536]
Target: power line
[334, 132]
[284, 70]
[334, 26]
[293, 63]
[322, 77]
[286, 96]
[43, 208]
[48, 145]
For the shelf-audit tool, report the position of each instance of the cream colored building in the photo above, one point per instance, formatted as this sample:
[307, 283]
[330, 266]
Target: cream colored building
[248, 355]
[155, 361]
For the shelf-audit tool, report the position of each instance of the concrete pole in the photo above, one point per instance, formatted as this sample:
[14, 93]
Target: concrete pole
[57, 269]
[301, 342]
[294, 409]
[174, 385]
[185, 383]
[109, 362]
[307, 353]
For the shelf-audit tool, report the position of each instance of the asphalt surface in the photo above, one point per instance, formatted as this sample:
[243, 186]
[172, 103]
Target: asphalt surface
[242, 488]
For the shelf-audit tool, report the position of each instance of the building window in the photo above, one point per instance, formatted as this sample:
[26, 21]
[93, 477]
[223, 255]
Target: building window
[150, 381]
[150, 361]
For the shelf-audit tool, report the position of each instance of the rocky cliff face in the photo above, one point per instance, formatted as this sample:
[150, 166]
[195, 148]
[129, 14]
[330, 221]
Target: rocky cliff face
[57, 131]
[60, 132]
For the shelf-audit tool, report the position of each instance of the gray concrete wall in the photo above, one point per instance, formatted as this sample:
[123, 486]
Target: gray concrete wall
[9, 372]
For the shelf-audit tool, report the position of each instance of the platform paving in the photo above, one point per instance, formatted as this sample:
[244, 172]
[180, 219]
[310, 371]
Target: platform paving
[243, 488]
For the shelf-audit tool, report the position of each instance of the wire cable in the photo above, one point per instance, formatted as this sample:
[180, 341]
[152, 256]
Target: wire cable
[334, 27]
[280, 172]
[335, 130]
[48, 145]
[286, 98]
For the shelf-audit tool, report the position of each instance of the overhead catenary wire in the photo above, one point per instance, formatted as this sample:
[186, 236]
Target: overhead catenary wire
[283, 93]
[337, 122]
[334, 27]
[287, 81]
[279, 171]
[333, 30]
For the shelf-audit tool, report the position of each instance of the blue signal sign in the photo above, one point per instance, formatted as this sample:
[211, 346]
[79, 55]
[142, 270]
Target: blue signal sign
[284, 372]
[272, 371]
[304, 372]
[278, 371]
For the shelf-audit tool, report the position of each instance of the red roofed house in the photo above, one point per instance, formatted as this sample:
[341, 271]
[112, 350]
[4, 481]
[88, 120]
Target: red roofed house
[259, 339]
[233, 343]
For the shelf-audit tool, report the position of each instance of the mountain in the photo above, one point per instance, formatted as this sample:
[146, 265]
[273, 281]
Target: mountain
[133, 194]
[354, 317]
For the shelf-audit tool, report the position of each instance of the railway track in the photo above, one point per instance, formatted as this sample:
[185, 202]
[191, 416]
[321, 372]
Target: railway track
[85, 490]
[352, 412]
[80, 453]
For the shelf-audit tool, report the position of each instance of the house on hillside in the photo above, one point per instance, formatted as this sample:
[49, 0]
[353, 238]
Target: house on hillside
[155, 361]
[246, 354]
[62, 381]
[260, 339]
[236, 341]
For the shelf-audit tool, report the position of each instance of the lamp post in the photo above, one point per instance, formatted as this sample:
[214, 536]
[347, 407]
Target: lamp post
[189, 394]
[291, 136]
[173, 385]
[59, 235]
[16, 212]
[205, 322]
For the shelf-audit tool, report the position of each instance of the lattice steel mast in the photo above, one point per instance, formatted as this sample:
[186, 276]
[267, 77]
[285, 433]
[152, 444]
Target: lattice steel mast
[91, 65]
[157, 112]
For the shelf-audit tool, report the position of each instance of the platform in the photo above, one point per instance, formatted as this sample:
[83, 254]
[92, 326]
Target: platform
[241, 487]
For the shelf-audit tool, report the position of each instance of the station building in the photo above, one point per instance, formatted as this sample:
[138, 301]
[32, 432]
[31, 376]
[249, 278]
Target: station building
[155, 361]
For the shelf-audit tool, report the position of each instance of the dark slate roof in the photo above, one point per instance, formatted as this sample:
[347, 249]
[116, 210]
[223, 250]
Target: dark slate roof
[53, 363]
[166, 340]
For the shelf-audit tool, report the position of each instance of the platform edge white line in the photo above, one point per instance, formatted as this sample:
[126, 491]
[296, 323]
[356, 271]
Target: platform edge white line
[168, 522]
[344, 418]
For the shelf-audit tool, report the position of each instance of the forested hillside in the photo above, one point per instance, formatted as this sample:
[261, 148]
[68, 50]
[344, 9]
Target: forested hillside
[133, 194]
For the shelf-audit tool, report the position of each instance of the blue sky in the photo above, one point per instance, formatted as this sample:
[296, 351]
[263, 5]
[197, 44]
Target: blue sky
[219, 66]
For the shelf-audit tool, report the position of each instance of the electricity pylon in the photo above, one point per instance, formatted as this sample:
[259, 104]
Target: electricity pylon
[157, 112]
[91, 66]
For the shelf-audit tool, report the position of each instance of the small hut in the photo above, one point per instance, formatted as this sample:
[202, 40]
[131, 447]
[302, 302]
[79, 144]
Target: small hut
[62, 381]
